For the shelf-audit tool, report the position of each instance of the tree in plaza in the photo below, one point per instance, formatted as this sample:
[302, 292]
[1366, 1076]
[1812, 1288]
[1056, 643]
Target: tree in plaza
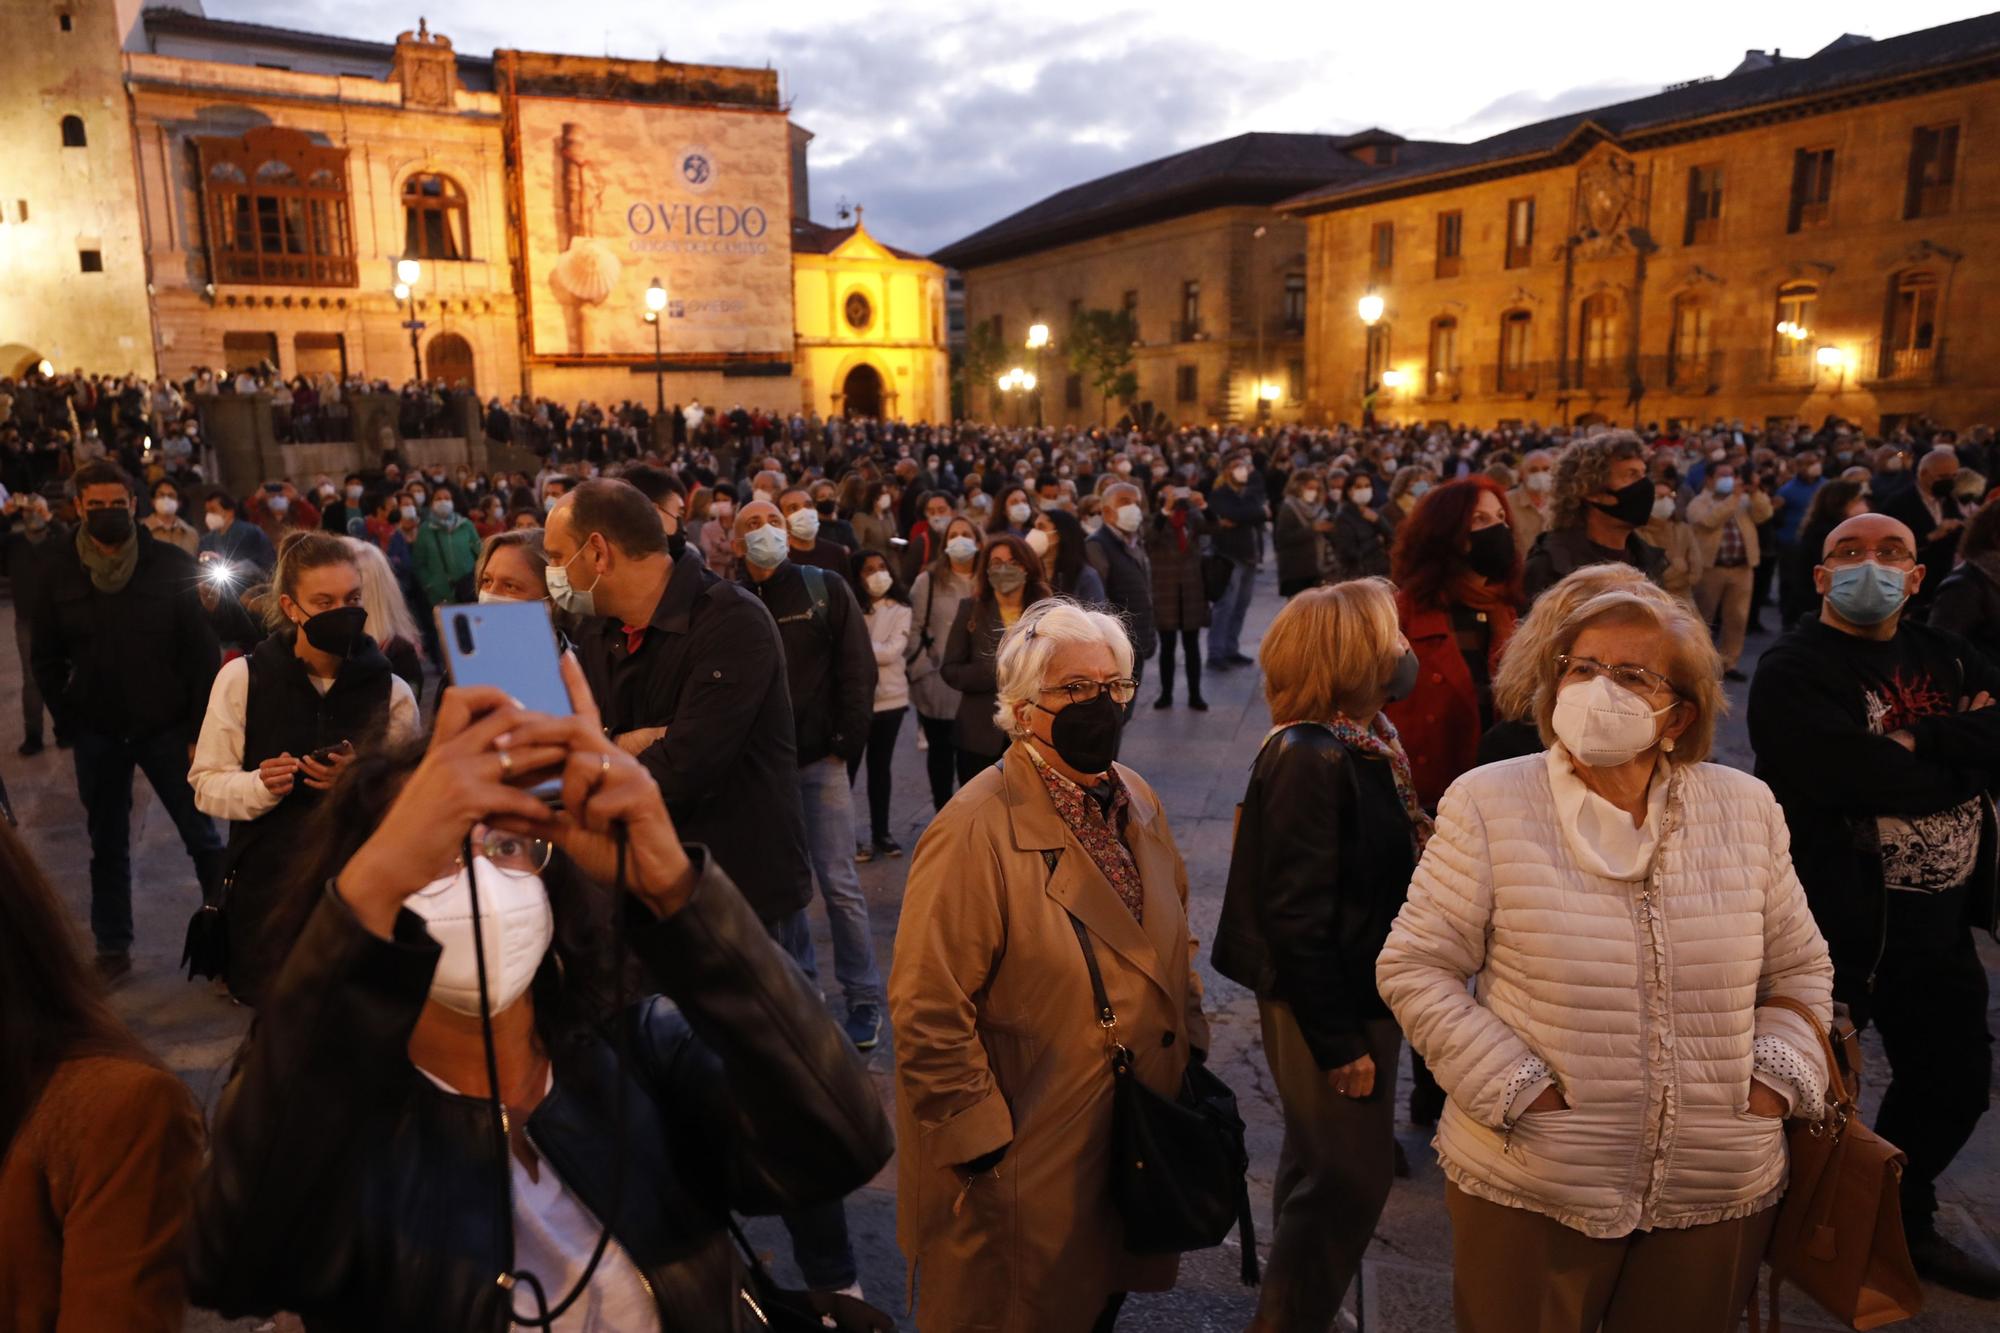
[979, 363]
[1099, 348]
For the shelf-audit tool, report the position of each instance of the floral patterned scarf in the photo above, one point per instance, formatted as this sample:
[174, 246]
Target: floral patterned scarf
[1379, 738]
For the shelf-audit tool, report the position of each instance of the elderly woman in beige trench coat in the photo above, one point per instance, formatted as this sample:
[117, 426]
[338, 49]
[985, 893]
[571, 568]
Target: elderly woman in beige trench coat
[1003, 1085]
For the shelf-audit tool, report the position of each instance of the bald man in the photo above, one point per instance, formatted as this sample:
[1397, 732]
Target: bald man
[1933, 515]
[1879, 737]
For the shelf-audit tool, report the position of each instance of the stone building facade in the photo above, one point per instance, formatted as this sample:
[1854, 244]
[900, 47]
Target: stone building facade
[72, 259]
[1801, 239]
[248, 194]
[871, 326]
[1216, 280]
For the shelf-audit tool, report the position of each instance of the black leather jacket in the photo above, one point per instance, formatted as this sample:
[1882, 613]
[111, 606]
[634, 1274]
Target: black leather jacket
[347, 1187]
[1321, 867]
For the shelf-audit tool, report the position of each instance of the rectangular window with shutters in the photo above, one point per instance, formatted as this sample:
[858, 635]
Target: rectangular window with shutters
[1704, 204]
[1520, 232]
[1187, 384]
[1451, 231]
[1190, 309]
[1295, 303]
[1383, 246]
[1933, 171]
[90, 261]
[1812, 189]
[1516, 375]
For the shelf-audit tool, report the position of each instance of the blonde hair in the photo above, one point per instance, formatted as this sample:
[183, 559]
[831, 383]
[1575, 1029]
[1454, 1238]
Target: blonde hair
[1515, 681]
[1328, 645]
[1021, 665]
[1693, 666]
[389, 615]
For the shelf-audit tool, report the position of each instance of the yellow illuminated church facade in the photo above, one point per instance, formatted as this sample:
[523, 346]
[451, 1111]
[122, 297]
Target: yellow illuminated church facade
[223, 194]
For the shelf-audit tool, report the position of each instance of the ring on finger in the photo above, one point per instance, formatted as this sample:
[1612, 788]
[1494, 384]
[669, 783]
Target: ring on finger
[506, 763]
[603, 767]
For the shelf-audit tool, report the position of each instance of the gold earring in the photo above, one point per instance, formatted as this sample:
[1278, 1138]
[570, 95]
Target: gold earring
[1667, 745]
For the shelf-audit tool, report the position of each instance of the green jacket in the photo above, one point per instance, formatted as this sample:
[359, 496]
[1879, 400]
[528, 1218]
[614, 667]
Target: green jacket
[444, 556]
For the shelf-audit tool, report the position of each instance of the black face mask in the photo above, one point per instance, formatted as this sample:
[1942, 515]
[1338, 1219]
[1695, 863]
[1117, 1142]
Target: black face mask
[1086, 736]
[1492, 552]
[1633, 506]
[677, 544]
[336, 632]
[111, 527]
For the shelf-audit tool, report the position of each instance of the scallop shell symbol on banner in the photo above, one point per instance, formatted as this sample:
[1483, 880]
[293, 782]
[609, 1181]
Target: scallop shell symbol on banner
[588, 271]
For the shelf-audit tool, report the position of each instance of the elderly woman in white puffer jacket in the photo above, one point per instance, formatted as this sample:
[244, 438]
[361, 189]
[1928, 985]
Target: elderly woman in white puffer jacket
[1613, 1141]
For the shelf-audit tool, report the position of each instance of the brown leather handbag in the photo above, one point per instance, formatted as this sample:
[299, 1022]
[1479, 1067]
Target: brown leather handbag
[1839, 1234]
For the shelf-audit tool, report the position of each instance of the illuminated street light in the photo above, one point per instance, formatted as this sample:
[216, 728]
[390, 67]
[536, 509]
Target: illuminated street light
[656, 302]
[402, 291]
[1830, 358]
[1027, 381]
[1370, 309]
[1393, 379]
[1269, 392]
[44, 369]
[1038, 337]
[1798, 333]
[408, 271]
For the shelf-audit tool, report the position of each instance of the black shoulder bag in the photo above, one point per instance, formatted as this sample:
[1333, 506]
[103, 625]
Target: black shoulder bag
[1178, 1165]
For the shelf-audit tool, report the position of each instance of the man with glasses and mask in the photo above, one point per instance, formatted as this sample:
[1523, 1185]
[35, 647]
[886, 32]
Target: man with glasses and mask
[1879, 737]
[125, 657]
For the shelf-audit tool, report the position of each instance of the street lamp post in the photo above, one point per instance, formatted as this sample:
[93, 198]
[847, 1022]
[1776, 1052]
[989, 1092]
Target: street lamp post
[1264, 400]
[1038, 338]
[408, 271]
[656, 306]
[1015, 383]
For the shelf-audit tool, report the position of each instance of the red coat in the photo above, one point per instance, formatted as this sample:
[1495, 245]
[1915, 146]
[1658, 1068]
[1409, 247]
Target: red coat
[1439, 722]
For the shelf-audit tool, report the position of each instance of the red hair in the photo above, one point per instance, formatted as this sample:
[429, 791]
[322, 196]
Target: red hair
[1428, 564]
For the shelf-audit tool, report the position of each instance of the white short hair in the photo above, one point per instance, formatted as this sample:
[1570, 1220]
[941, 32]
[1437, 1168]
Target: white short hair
[1021, 666]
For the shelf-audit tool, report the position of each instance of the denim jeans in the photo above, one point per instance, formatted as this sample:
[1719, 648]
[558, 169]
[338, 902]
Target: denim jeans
[829, 805]
[820, 1244]
[1225, 618]
[104, 767]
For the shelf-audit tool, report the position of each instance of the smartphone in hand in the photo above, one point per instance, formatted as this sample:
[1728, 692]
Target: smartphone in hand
[511, 646]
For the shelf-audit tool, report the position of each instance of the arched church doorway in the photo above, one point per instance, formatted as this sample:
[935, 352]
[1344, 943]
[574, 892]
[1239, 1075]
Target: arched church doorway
[449, 358]
[861, 393]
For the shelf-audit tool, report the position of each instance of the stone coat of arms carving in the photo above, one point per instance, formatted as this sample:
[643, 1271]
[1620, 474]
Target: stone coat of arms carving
[1610, 201]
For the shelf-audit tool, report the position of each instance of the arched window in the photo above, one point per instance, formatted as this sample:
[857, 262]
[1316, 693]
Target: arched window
[72, 132]
[1517, 328]
[1791, 333]
[434, 218]
[1688, 353]
[1443, 379]
[1910, 336]
[1598, 346]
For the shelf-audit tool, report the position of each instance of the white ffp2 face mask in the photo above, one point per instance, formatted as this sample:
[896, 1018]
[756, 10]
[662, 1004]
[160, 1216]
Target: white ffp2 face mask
[515, 924]
[1602, 724]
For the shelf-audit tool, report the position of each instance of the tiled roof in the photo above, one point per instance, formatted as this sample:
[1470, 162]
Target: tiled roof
[1845, 64]
[1248, 169]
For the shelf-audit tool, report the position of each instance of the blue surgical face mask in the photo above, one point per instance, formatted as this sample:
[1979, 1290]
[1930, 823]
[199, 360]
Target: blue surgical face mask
[1725, 485]
[765, 547]
[1867, 593]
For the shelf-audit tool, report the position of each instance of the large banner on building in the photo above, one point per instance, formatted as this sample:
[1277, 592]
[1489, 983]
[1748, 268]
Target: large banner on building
[616, 194]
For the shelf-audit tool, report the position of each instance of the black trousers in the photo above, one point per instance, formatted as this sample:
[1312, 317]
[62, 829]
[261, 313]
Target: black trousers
[881, 752]
[1190, 649]
[1930, 1005]
[941, 758]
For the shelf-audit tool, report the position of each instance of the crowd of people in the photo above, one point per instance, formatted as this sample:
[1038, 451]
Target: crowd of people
[1483, 824]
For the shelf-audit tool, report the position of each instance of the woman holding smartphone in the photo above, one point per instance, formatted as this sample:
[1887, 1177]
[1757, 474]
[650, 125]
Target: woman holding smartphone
[431, 1180]
[281, 725]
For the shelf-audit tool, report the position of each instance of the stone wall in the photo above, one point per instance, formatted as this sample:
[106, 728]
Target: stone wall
[1216, 248]
[1733, 271]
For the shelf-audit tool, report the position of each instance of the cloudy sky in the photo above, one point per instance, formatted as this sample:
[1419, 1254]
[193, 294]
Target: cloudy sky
[944, 116]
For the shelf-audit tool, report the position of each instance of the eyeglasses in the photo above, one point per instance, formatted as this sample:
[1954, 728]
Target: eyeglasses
[1637, 679]
[1083, 691]
[1888, 553]
[508, 854]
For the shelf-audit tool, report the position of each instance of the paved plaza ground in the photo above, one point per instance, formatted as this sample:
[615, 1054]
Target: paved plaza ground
[1198, 763]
